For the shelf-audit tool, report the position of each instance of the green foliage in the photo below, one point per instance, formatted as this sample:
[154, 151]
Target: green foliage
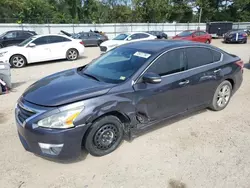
[122, 11]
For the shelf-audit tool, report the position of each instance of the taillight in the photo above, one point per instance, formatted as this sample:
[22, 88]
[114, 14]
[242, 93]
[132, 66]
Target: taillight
[81, 43]
[240, 64]
[244, 35]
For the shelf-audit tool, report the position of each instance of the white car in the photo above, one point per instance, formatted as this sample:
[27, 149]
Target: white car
[41, 48]
[125, 38]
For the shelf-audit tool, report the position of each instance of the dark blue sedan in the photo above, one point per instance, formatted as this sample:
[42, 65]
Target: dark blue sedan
[122, 93]
[235, 36]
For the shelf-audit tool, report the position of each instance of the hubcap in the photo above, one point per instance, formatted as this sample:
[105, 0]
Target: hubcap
[106, 136]
[223, 96]
[18, 61]
[72, 54]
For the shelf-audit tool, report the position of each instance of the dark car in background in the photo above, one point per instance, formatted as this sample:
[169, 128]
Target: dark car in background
[121, 93]
[159, 34]
[88, 38]
[236, 36]
[14, 37]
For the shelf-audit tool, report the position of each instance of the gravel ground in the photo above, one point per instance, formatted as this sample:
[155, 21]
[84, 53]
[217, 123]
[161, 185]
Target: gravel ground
[206, 149]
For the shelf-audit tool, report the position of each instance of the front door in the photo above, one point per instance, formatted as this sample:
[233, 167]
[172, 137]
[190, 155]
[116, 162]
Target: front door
[40, 52]
[171, 96]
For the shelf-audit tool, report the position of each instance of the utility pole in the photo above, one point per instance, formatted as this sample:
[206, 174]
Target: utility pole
[199, 18]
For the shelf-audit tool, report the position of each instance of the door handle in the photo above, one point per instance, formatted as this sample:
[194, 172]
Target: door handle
[217, 70]
[184, 82]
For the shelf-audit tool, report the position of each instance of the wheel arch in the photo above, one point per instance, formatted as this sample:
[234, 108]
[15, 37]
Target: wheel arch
[20, 55]
[125, 120]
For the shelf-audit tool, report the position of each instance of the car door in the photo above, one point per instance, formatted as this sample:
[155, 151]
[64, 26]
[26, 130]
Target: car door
[196, 36]
[135, 37]
[171, 96]
[143, 36]
[86, 39]
[10, 39]
[203, 37]
[203, 74]
[58, 46]
[40, 52]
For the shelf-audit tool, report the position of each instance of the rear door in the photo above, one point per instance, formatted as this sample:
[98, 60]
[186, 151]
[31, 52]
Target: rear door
[58, 46]
[171, 96]
[196, 36]
[204, 74]
[203, 36]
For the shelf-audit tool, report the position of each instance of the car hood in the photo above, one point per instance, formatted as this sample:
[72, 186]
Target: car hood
[9, 49]
[111, 43]
[63, 88]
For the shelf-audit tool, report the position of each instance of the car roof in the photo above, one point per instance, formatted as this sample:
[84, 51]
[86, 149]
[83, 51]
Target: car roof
[21, 31]
[156, 46]
[43, 35]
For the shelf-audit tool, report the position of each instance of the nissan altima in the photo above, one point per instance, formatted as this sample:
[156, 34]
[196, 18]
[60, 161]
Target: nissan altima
[124, 91]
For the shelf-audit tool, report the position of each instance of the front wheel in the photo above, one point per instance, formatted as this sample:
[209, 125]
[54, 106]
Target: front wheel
[18, 61]
[72, 54]
[104, 136]
[207, 42]
[222, 96]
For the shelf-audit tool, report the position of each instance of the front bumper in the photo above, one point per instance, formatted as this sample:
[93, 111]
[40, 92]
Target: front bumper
[51, 143]
[227, 39]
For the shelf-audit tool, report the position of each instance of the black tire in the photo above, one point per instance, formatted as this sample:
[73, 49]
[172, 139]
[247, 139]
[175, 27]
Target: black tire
[72, 54]
[104, 136]
[207, 42]
[18, 61]
[245, 41]
[224, 98]
[1, 46]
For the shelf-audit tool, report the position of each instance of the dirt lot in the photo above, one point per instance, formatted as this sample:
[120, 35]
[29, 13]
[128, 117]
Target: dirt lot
[205, 150]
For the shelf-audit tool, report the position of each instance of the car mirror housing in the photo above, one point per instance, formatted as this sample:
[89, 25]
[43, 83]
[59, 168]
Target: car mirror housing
[129, 38]
[31, 45]
[151, 78]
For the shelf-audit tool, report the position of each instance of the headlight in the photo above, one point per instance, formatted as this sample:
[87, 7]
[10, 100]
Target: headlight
[62, 120]
[2, 54]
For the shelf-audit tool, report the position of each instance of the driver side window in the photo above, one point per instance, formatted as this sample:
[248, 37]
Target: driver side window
[41, 41]
[169, 63]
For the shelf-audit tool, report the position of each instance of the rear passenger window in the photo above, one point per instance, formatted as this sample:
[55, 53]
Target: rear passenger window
[198, 57]
[216, 55]
[169, 63]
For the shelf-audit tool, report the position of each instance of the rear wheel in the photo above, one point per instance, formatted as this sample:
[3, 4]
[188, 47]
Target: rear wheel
[207, 42]
[104, 136]
[18, 61]
[222, 96]
[72, 54]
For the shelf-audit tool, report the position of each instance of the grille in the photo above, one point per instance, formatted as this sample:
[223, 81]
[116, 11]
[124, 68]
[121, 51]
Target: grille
[24, 113]
[103, 48]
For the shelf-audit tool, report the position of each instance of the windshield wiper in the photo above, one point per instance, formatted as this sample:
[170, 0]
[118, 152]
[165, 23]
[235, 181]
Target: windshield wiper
[91, 76]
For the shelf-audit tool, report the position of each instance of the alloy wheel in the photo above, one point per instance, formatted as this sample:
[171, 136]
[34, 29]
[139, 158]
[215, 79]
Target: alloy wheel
[18, 61]
[72, 54]
[223, 96]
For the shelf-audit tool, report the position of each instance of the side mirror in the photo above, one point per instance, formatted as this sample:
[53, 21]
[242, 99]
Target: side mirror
[129, 38]
[31, 45]
[151, 78]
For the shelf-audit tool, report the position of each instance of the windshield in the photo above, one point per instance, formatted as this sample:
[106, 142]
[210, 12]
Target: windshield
[117, 65]
[185, 33]
[120, 37]
[26, 41]
[1, 36]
